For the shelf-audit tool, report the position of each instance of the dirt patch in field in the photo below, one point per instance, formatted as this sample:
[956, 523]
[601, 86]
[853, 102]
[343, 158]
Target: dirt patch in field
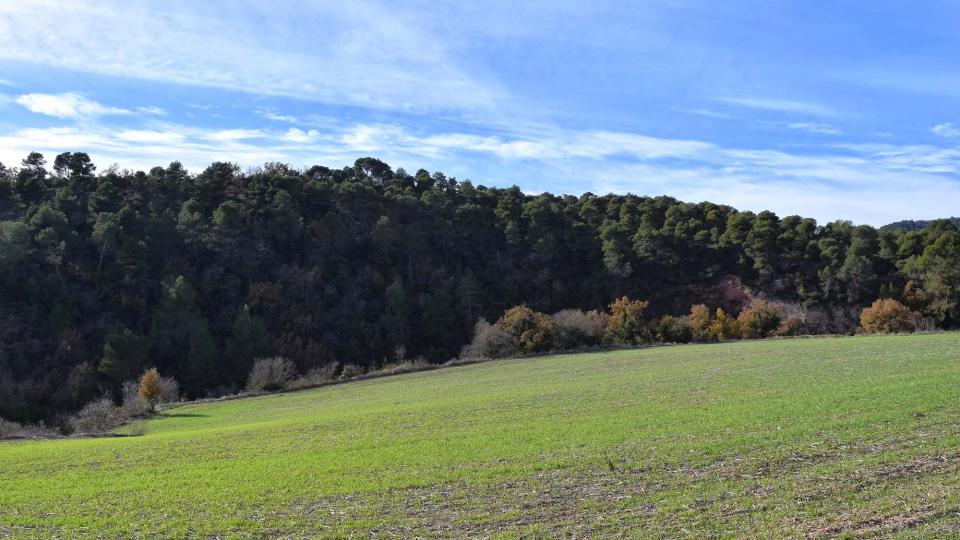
[627, 494]
[850, 525]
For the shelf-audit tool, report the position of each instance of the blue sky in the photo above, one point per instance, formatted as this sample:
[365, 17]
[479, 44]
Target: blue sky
[830, 109]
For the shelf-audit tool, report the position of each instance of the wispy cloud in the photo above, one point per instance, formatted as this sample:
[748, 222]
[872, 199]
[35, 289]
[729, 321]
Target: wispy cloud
[155, 111]
[814, 127]
[779, 105]
[148, 136]
[366, 56]
[235, 134]
[270, 115]
[67, 105]
[946, 129]
[709, 113]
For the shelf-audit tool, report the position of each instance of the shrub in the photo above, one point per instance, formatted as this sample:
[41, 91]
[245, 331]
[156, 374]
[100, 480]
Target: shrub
[36, 431]
[149, 388]
[403, 366]
[96, 417]
[887, 316]
[759, 320]
[791, 326]
[133, 405]
[8, 428]
[169, 390]
[316, 376]
[723, 326]
[532, 330]
[602, 320]
[577, 329]
[490, 341]
[627, 324]
[270, 374]
[351, 370]
[700, 322]
[671, 329]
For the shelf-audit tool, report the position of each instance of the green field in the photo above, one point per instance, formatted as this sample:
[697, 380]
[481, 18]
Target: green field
[828, 436]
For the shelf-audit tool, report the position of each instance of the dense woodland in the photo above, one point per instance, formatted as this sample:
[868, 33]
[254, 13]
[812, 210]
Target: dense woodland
[106, 274]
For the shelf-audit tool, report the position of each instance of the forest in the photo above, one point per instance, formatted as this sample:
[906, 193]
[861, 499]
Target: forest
[105, 274]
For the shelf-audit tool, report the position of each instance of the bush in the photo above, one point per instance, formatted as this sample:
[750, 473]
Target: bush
[8, 428]
[490, 341]
[96, 417]
[602, 320]
[169, 390]
[270, 375]
[350, 371]
[887, 316]
[671, 329]
[759, 320]
[627, 324]
[403, 366]
[577, 329]
[791, 326]
[133, 405]
[700, 322]
[723, 326]
[533, 331]
[35, 431]
[316, 376]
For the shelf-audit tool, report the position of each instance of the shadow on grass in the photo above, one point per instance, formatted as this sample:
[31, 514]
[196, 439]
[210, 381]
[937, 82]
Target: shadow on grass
[181, 415]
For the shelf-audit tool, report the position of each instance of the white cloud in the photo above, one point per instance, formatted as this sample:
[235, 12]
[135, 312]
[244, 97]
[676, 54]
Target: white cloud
[300, 136]
[155, 111]
[66, 105]
[235, 134]
[779, 105]
[366, 57]
[4, 82]
[813, 127]
[146, 136]
[269, 115]
[945, 129]
[709, 113]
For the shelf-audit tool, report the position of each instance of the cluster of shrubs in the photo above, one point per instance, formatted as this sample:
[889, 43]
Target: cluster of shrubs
[275, 374]
[522, 330]
[138, 399]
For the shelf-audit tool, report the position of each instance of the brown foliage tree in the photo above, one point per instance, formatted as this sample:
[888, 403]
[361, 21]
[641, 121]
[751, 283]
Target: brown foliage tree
[627, 324]
[532, 330]
[759, 320]
[887, 316]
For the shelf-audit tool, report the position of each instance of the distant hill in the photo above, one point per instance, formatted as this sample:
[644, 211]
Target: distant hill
[908, 225]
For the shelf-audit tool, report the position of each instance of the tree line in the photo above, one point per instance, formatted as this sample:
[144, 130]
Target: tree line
[103, 275]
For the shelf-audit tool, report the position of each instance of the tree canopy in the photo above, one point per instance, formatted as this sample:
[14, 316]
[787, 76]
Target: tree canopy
[199, 275]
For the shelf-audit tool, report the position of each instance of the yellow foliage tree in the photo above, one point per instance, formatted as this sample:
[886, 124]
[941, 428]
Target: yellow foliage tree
[149, 388]
[700, 322]
[724, 326]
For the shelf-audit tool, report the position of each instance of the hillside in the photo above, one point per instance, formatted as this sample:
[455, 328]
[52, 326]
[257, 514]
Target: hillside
[913, 225]
[767, 438]
[103, 275]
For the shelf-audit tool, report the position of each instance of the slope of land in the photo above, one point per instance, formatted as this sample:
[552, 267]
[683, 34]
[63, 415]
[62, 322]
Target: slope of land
[910, 225]
[791, 437]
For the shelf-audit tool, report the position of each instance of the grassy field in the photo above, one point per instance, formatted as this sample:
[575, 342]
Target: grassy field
[816, 437]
